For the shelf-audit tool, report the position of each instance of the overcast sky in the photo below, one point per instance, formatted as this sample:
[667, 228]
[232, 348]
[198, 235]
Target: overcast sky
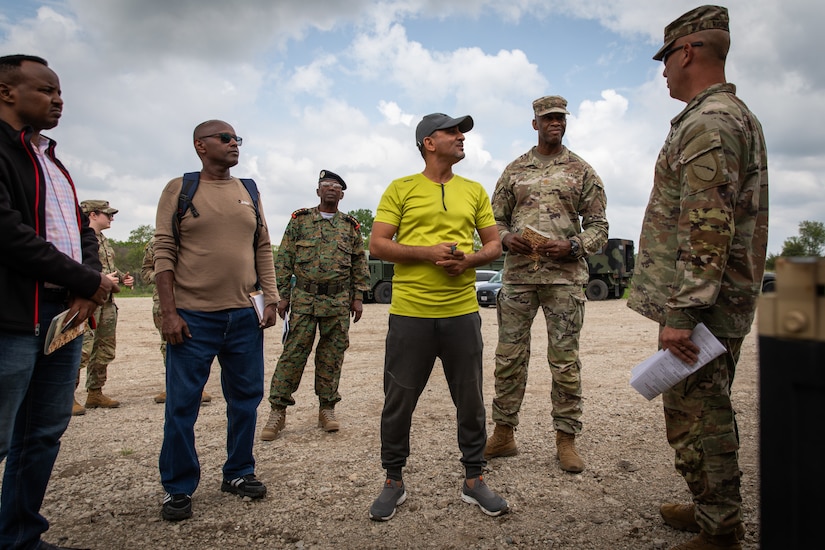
[341, 85]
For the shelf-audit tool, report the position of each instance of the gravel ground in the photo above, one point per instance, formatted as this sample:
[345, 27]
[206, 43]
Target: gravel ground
[105, 492]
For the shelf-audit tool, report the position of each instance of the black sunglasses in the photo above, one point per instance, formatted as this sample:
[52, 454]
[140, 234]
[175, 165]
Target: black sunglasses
[226, 137]
[675, 49]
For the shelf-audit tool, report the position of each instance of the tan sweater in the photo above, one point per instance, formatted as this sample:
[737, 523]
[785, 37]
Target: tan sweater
[215, 267]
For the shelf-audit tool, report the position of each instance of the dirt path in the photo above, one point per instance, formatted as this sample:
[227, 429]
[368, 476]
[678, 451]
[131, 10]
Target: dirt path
[105, 491]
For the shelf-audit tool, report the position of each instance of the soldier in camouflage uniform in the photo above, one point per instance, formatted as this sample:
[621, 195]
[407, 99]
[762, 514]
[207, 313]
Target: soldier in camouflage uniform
[323, 249]
[147, 275]
[99, 344]
[549, 188]
[701, 258]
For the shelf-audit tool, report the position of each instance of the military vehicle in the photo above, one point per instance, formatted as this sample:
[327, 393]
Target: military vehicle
[381, 273]
[611, 270]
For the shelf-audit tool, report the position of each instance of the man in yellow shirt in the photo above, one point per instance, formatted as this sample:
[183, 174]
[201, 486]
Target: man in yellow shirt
[425, 224]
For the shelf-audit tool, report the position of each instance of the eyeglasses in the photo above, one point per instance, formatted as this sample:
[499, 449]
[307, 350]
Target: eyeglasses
[677, 48]
[110, 216]
[332, 184]
[226, 137]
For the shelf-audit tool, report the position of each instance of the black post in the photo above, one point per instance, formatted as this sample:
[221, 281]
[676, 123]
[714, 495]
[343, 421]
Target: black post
[792, 405]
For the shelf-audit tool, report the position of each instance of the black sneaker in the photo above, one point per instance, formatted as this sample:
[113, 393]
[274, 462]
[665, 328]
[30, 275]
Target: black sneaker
[489, 502]
[244, 486]
[394, 494]
[176, 507]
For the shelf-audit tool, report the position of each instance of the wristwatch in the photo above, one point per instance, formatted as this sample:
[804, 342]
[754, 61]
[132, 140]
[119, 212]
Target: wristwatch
[574, 248]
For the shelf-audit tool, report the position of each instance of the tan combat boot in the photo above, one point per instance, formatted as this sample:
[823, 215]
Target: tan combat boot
[501, 443]
[327, 420]
[161, 397]
[95, 399]
[273, 426]
[78, 409]
[683, 518]
[703, 541]
[567, 454]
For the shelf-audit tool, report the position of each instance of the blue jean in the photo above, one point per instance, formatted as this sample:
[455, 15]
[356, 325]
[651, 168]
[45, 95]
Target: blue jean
[36, 396]
[236, 339]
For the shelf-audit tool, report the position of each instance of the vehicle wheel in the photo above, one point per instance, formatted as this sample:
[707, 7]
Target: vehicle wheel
[383, 292]
[768, 286]
[596, 290]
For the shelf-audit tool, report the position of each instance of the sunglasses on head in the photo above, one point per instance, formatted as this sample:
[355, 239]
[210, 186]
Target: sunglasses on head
[226, 137]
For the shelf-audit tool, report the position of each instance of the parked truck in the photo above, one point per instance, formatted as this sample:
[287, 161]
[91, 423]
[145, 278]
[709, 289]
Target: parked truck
[611, 270]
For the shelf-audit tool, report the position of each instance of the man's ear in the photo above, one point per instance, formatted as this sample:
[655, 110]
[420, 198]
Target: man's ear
[6, 93]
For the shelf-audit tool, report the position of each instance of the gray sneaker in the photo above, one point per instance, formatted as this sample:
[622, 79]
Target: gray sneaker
[394, 494]
[489, 502]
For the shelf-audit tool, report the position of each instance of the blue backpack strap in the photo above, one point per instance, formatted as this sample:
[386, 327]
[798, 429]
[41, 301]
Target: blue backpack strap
[187, 191]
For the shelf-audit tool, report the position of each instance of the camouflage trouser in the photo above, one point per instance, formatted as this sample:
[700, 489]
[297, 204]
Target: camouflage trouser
[329, 356]
[99, 346]
[158, 320]
[563, 307]
[701, 428]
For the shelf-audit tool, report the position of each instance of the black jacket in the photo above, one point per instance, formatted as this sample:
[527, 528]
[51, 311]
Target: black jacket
[27, 259]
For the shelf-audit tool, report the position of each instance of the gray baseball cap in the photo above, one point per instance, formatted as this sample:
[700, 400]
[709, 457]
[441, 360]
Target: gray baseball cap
[440, 121]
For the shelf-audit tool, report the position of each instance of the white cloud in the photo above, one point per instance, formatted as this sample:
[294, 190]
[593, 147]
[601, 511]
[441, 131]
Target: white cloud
[340, 85]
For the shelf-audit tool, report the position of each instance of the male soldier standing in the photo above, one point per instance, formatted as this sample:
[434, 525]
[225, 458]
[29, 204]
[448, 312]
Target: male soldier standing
[323, 248]
[549, 188]
[99, 344]
[701, 258]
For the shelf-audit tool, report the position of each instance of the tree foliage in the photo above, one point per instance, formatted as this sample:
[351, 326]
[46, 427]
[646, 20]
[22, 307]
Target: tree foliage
[129, 253]
[809, 242]
[365, 217]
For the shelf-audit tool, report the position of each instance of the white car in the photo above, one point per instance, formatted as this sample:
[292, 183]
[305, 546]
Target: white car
[483, 275]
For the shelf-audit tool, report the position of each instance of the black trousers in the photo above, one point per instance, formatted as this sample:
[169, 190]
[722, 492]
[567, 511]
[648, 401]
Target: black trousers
[411, 349]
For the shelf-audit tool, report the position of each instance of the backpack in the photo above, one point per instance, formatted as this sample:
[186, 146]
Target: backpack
[187, 192]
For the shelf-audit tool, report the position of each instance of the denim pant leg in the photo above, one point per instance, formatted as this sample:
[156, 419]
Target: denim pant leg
[242, 380]
[187, 370]
[460, 348]
[36, 395]
[409, 358]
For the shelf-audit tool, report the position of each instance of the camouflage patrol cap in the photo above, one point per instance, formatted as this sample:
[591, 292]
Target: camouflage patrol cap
[550, 104]
[332, 176]
[97, 206]
[698, 19]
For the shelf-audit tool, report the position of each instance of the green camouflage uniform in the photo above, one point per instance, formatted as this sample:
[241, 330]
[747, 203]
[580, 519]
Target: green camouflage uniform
[147, 275]
[550, 194]
[99, 344]
[320, 251]
[701, 258]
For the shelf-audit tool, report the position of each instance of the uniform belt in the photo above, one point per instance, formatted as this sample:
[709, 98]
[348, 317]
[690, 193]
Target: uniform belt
[55, 295]
[319, 288]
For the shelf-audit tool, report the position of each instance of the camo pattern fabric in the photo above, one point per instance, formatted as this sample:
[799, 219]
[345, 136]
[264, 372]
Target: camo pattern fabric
[705, 231]
[147, 275]
[333, 341]
[563, 307]
[701, 428]
[322, 251]
[561, 196]
[317, 250]
[99, 344]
